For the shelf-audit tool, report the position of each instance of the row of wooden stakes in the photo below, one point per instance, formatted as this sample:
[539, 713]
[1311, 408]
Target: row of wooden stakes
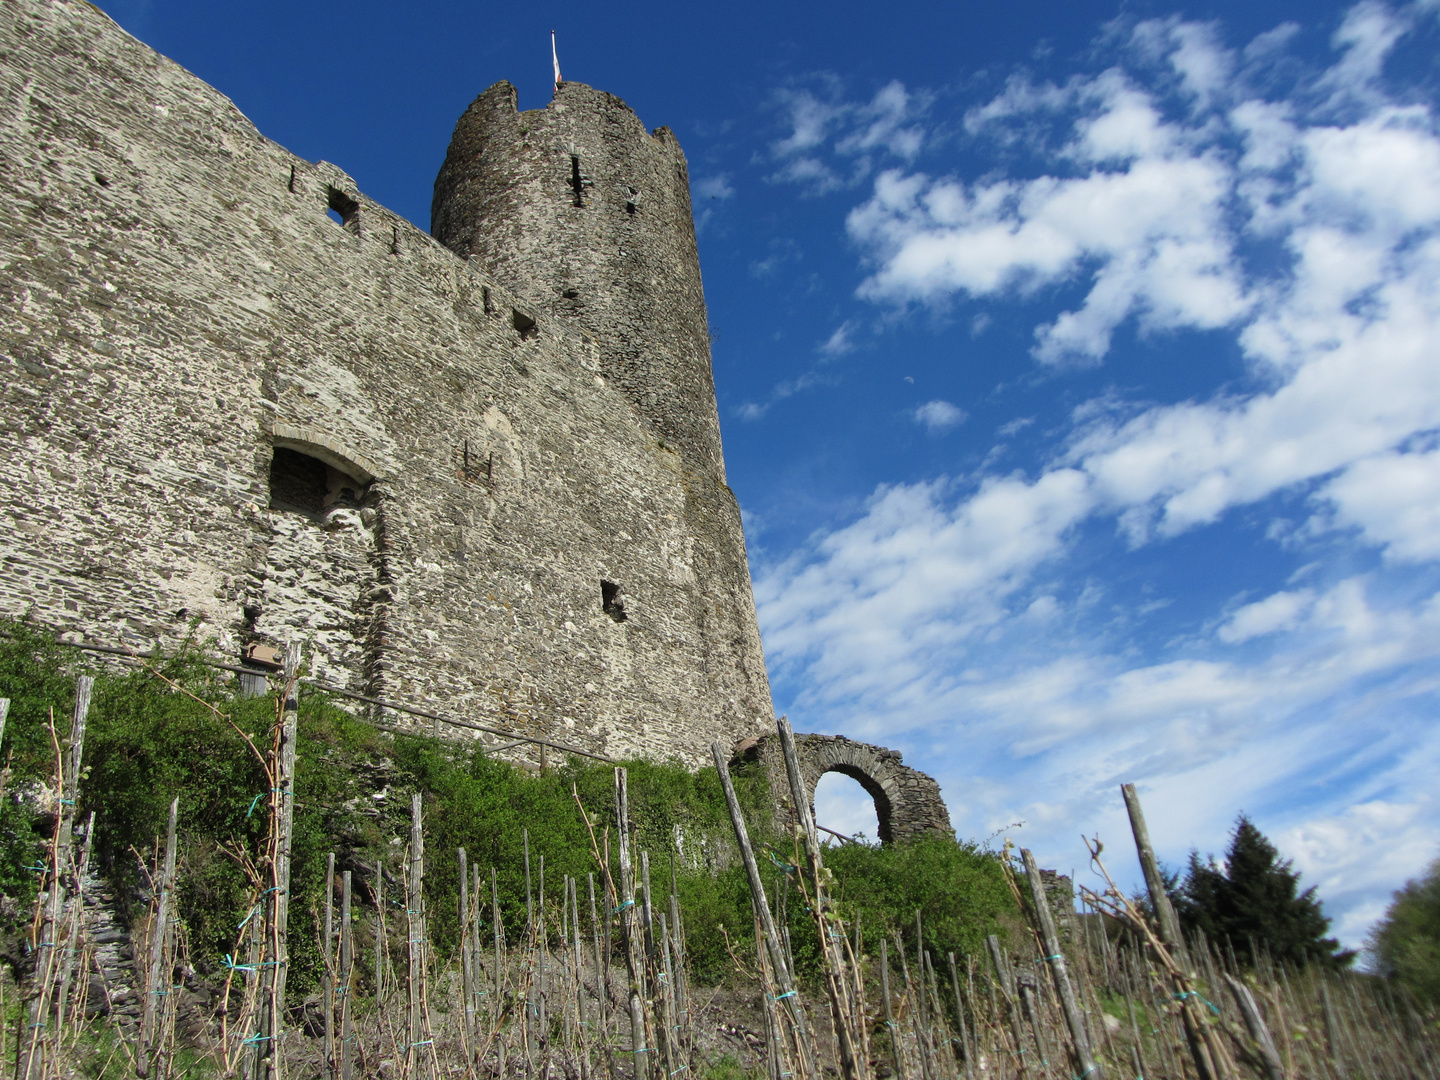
[599, 985]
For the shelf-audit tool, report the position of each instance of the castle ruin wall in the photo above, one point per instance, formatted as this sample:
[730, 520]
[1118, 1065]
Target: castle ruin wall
[179, 314]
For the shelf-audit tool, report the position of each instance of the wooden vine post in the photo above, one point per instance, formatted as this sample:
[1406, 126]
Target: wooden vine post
[774, 943]
[420, 1052]
[1209, 1062]
[846, 1014]
[157, 975]
[52, 947]
[896, 1054]
[327, 989]
[1085, 1062]
[467, 971]
[347, 982]
[630, 930]
[276, 952]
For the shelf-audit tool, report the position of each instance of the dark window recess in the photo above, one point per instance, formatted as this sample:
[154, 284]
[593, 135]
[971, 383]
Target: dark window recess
[476, 467]
[611, 602]
[485, 298]
[524, 324]
[298, 482]
[344, 210]
[632, 199]
[577, 182]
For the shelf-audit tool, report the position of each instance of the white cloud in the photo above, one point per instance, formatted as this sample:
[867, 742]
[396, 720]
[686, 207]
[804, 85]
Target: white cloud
[1154, 228]
[714, 187]
[756, 410]
[823, 124]
[841, 341]
[1395, 499]
[843, 805]
[1358, 857]
[885, 123]
[938, 417]
[915, 573]
[1280, 611]
[1193, 50]
[1307, 231]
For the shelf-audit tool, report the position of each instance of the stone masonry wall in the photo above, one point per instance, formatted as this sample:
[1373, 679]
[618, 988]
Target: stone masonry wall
[175, 303]
[907, 801]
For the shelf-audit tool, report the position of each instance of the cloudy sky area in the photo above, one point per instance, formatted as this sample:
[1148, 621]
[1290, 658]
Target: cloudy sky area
[1218, 581]
[1079, 371]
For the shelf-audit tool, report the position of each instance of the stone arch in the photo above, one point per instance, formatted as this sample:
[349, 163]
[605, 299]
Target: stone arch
[907, 801]
[323, 446]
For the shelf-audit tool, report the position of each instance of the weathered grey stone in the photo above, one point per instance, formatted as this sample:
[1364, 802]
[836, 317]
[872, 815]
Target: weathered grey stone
[907, 801]
[494, 435]
[481, 475]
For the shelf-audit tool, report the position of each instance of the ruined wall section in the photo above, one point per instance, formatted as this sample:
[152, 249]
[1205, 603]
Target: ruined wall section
[175, 303]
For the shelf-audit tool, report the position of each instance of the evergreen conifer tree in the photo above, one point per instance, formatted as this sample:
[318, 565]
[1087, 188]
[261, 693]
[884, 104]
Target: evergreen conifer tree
[1405, 944]
[1254, 900]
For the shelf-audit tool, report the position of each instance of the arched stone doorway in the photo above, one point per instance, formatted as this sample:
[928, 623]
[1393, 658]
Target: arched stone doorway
[907, 801]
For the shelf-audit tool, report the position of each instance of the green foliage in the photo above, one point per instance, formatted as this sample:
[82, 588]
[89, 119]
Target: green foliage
[728, 1067]
[959, 890]
[178, 731]
[1405, 944]
[1255, 899]
[35, 677]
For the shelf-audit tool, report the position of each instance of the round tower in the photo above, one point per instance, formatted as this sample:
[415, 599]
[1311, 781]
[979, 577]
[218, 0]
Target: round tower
[584, 214]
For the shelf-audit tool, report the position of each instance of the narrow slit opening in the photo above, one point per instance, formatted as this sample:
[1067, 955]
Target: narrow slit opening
[611, 601]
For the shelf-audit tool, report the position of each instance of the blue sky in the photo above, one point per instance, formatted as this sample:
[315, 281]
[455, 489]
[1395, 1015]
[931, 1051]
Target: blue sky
[1078, 366]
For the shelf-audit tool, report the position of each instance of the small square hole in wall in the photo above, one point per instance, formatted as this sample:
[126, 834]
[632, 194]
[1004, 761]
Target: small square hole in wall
[524, 324]
[343, 210]
[611, 602]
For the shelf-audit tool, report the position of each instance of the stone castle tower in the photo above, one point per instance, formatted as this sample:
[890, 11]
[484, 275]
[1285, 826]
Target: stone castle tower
[586, 215]
[478, 473]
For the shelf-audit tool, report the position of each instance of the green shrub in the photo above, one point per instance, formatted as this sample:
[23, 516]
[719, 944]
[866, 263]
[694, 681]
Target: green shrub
[1405, 944]
[149, 742]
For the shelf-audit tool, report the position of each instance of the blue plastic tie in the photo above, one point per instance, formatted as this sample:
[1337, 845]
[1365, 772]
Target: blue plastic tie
[1196, 993]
